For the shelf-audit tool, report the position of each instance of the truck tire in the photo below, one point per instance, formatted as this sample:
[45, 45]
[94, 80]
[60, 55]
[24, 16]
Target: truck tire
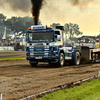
[76, 60]
[61, 61]
[34, 64]
[23, 48]
[16, 47]
[95, 57]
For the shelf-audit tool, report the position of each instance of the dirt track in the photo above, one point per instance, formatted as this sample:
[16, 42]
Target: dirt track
[12, 54]
[18, 79]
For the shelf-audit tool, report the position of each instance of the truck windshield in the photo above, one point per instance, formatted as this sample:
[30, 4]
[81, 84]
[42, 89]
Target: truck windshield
[41, 37]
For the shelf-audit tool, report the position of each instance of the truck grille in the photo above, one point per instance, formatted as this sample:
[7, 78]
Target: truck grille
[39, 51]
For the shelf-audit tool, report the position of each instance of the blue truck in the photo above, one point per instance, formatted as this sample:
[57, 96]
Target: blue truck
[45, 44]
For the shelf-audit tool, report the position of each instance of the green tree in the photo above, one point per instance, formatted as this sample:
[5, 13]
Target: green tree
[15, 24]
[54, 25]
[72, 29]
[2, 19]
[2, 24]
[18, 24]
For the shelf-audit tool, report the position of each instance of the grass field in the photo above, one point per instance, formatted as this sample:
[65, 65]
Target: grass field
[11, 51]
[86, 91]
[12, 58]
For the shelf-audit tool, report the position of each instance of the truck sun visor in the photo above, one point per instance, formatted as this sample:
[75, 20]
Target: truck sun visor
[38, 27]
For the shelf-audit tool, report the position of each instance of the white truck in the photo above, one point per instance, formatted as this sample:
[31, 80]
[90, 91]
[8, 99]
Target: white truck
[20, 43]
[45, 44]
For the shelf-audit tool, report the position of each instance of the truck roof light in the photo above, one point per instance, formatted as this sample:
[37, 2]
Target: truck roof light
[29, 28]
[49, 27]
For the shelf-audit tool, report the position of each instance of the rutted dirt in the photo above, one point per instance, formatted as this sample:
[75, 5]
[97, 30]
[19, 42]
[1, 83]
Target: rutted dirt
[12, 54]
[18, 79]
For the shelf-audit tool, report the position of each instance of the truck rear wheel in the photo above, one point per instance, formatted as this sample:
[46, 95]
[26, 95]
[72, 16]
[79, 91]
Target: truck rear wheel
[61, 60]
[16, 47]
[23, 48]
[76, 58]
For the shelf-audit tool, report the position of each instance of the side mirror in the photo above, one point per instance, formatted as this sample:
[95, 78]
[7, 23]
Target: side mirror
[58, 37]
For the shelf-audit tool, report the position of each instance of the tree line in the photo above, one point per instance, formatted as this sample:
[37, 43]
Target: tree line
[17, 24]
[70, 28]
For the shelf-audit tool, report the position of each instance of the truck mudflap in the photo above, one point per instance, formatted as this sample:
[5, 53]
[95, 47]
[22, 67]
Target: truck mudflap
[85, 54]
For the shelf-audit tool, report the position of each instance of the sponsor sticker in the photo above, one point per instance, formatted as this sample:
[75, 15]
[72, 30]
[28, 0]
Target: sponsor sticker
[37, 27]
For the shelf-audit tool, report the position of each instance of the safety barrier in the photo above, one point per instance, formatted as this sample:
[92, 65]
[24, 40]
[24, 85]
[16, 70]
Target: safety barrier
[6, 48]
[69, 85]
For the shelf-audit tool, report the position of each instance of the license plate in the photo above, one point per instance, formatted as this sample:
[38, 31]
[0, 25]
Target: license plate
[38, 57]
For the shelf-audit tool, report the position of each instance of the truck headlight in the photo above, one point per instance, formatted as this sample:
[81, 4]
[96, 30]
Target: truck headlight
[52, 54]
[54, 48]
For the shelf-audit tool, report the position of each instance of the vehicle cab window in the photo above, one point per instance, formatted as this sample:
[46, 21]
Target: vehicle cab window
[56, 33]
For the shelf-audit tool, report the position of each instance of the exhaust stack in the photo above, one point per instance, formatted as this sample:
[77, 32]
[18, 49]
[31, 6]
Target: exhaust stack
[36, 6]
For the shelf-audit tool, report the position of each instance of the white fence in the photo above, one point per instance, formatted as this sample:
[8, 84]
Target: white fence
[6, 48]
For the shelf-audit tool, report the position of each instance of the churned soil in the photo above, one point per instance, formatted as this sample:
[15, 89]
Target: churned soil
[12, 54]
[18, 79]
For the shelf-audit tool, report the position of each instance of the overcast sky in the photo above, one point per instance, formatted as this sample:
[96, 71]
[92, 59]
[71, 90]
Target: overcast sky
[85, 13]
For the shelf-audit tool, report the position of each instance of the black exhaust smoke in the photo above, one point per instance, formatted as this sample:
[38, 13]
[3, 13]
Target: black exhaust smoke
[36, 6]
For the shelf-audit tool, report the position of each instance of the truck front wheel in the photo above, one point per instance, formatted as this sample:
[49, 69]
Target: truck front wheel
[61, 60]
[33, 64]
[76, 58]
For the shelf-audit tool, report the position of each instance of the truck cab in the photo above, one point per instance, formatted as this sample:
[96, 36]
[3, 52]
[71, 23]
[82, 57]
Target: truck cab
[20, 42]
[45, 44]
